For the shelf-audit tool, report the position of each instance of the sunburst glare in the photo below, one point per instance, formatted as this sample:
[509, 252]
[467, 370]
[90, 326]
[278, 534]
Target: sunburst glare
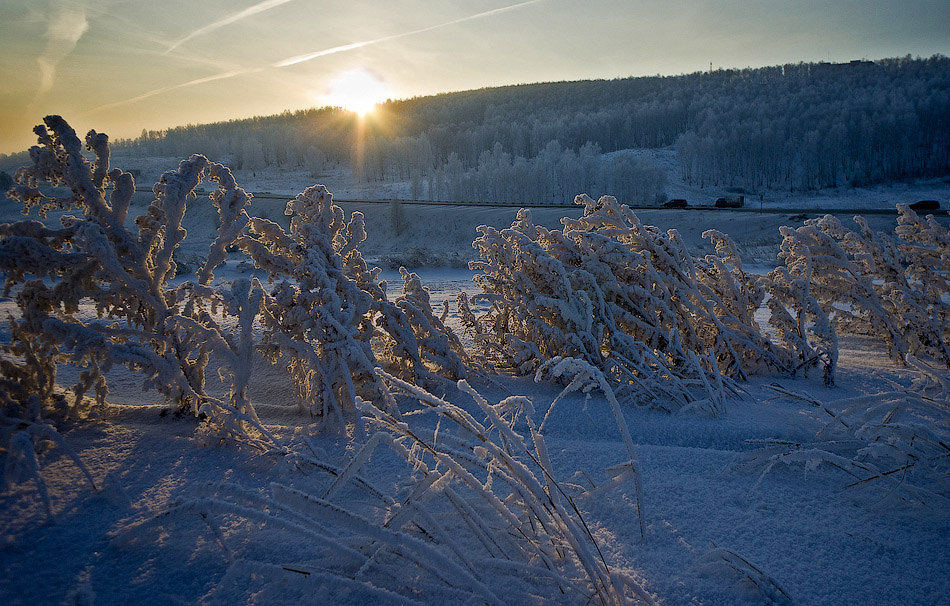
[358, 90]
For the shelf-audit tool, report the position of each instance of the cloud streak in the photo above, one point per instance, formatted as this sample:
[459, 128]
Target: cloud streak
[299, 58]
[340, 49]
[66, 26]
[248, 12]
[165, 89]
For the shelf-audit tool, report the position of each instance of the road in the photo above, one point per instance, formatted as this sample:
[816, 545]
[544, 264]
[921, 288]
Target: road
[752, 208]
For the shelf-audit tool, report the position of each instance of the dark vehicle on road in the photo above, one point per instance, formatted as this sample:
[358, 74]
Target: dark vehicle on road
[925, 205]
[675, 203]
[731, 202]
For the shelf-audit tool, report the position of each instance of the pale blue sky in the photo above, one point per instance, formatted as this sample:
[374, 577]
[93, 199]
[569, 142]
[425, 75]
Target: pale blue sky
[123, 65]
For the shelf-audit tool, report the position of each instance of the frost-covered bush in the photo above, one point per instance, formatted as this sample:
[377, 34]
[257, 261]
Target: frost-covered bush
[669, 327]
[316, 319]
[800, 322]
[925, 245]
[912, 277]
[96, 265]
[623, 297]
[439, 346]
[735, 296]
[892, 287]
[329, 317]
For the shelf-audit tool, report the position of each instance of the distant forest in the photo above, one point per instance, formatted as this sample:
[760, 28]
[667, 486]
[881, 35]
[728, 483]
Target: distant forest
[801, 127]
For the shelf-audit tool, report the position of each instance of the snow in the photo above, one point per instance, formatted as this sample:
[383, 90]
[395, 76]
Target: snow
[819, 542]
[714, 533]
[340, 180]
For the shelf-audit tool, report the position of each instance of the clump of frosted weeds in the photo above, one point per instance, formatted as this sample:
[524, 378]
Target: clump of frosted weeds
[664, 327]
[329, 317]
[95, 264]
[892, 445]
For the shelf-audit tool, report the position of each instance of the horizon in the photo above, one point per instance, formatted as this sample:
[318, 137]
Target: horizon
[121, 68]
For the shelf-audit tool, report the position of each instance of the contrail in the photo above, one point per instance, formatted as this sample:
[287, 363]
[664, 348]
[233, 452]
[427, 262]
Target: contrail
[165, 89]
[298, 58]
[251, 10]
[339, 49]
[329, 51]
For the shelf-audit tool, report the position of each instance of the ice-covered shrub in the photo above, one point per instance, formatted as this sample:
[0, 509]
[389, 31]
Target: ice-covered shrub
[843, 282]
[623, 297]
[96, 265]
[329, 316]
[800, 322]
[925, 245]
[912, 276]
[734, 297]
[892, 287]
[316, 319]
[439, 347]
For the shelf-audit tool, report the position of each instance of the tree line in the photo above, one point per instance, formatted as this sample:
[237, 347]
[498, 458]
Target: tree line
[796, 127]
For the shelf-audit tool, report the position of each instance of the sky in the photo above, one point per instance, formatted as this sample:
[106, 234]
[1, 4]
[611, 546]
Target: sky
[121, 66]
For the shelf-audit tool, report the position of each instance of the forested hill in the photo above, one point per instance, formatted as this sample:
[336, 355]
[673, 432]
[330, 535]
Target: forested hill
[794, 127]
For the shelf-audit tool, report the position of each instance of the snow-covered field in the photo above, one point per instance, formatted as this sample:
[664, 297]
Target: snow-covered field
[340, 181]
[714, 532]
[427, 235]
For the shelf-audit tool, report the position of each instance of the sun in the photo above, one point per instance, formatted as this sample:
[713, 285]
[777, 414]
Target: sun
[358, 90]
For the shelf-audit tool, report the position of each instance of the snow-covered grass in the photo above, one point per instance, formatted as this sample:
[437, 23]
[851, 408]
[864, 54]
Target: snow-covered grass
[821, 542]
[494, 489]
